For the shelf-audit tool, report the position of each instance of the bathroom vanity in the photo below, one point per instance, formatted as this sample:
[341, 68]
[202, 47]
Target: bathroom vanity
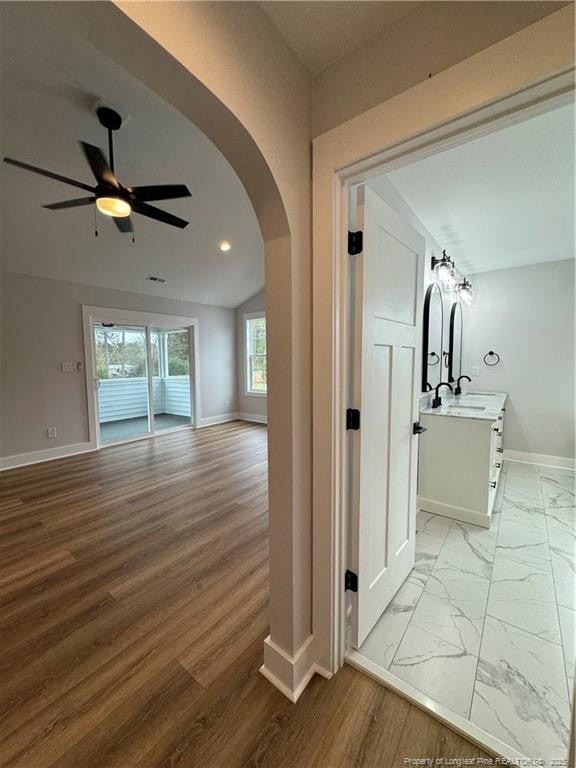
[460, 456]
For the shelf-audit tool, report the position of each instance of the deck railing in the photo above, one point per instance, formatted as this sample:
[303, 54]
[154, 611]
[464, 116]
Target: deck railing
[128, 398]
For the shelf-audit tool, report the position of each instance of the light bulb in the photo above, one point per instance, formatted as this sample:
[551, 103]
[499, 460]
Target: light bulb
[444, 272]
[452, 282]
[466, 295]
[113, 206]
[224, 246]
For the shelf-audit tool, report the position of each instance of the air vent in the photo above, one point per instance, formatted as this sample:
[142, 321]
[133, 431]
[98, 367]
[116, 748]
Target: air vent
[156, 279]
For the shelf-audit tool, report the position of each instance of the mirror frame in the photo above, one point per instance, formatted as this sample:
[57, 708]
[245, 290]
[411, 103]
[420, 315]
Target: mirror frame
[455, 306]
[430, 291]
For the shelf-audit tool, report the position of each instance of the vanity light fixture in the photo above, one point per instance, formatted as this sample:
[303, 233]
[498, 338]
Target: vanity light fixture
[466, 292]
[443, 268]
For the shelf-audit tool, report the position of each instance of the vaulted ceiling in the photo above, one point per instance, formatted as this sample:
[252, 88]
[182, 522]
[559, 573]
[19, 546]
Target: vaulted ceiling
[50, 85]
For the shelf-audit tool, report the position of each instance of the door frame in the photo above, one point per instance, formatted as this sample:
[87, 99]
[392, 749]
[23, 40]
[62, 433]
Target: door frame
[343, 159]
[91, 316]
[449, 113]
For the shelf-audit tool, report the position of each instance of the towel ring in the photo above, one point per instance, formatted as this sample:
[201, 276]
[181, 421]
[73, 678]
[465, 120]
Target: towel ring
[491, 354]
[432, 355]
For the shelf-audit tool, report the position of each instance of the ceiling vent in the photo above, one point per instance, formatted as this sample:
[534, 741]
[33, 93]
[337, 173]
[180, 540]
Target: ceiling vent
[156, 279]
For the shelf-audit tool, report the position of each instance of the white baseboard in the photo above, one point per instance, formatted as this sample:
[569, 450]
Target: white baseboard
[222, 418]
[455, 513]
[48, 454]
[290, 674]
[540, 458]
[253, 417]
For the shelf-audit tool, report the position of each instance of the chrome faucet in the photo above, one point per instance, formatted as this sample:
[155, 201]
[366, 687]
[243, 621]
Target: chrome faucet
[437, 402]
[458, 390]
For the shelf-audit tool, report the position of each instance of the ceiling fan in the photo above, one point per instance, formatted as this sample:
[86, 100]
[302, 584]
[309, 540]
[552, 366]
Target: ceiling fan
[110, 196]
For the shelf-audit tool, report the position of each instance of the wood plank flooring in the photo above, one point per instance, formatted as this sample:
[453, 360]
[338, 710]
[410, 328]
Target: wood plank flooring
[133, 607]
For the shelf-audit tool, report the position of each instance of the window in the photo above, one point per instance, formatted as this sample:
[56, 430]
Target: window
[256, 355]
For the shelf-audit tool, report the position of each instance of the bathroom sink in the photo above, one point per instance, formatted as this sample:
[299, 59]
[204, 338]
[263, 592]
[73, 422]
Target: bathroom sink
[482, 394]
[465, 408]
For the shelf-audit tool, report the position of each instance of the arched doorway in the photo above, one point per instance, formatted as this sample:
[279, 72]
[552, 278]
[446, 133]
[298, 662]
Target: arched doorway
[188, 72]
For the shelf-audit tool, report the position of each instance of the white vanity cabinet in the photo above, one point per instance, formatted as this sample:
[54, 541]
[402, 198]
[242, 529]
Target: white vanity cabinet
[460, 457]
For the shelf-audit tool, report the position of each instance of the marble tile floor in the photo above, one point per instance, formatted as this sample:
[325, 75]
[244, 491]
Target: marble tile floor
[486, 622]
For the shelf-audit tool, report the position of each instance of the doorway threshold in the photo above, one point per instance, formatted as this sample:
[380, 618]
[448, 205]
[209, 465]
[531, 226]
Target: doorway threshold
[460, 725]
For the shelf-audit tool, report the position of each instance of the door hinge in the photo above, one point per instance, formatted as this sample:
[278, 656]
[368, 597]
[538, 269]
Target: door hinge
[351, 581]
[355, 242]
[352, 418]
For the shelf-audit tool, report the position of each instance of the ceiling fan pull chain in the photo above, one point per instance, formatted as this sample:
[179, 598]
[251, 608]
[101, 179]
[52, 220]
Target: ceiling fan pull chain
[133, 231]
[95, 222]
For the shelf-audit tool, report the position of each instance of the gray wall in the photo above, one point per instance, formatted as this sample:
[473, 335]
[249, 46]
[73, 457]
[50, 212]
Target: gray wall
[434, 37]
[527, 316]
[254, 405]
[41, 323]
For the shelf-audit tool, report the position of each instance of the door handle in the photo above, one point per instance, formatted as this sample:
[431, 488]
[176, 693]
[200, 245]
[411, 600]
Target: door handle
[96, 384]
[417, 428]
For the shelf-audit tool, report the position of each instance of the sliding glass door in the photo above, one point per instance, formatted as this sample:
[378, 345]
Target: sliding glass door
[122, 381]
[171, 377]
[143, 380]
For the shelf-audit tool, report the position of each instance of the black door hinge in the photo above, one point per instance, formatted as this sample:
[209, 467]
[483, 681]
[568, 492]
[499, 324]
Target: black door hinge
[355, 242]
[351, 581]
[352, 418]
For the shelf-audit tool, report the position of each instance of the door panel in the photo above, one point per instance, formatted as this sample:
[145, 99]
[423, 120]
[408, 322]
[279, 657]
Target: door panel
[374, 468]
[122, 381]
[388, 285]
[171, 371]
[394, 280]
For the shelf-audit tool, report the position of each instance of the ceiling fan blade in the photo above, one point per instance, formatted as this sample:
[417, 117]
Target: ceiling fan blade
[156, 213]
[99, 165]
[161, 192]
[49, 174]
[124, 223]
[70, 203]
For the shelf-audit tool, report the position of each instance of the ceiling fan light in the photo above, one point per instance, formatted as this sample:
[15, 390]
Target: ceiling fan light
[113, 206]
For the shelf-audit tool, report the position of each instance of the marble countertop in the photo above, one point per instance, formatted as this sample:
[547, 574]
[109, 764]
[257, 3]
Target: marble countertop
[485, 406]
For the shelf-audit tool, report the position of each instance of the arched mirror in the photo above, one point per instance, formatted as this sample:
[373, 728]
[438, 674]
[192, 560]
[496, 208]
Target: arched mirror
[455, 346]
[432, 358]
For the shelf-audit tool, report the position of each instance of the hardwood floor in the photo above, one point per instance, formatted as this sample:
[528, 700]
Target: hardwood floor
[133, 606]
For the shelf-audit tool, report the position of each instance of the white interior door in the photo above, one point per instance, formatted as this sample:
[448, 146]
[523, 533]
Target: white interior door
[387, 288]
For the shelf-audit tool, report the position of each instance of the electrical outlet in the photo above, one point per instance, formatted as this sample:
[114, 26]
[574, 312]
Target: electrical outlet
[72, 366]
[475, 370]
[51, 433]
[227, 405]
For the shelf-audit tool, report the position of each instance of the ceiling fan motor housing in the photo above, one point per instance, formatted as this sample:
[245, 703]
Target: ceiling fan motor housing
[109, 118]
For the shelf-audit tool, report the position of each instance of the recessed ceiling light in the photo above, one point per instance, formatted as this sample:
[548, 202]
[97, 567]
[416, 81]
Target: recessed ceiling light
[224, 246]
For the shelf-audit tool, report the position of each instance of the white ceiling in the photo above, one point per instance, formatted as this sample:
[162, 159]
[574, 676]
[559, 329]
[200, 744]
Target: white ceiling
[321, 33]
[504, 200]
[49, 86]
